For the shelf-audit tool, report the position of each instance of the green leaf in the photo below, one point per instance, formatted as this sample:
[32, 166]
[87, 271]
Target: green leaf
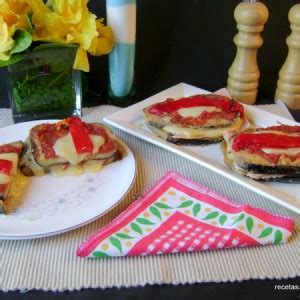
[266, 232]
[238, 219]
[155, 211]
[115, 242]
[185, 204]
[162, 205]
[124, 236]
[144, 221]
[278, 236]
[46, 46]
[249, 224]
[196, 209]
[13, 59]
[22, 39]
[222, 219]
[99, 254]
[211, 215]
[136, 228]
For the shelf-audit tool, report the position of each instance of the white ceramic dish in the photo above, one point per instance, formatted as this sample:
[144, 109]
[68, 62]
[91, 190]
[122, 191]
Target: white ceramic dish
[53, 205]
[131, 121]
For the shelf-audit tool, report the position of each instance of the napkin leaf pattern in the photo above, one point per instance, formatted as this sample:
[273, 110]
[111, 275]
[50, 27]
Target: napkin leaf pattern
[179, 215]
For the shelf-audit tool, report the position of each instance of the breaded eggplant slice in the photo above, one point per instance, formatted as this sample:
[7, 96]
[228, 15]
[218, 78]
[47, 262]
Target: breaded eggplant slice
[194, 120]
[265, 154]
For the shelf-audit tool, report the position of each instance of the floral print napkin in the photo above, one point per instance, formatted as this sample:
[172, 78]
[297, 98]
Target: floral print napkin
[179, 215]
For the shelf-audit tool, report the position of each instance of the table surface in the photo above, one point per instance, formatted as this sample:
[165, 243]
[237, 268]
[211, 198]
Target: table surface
[234, 290]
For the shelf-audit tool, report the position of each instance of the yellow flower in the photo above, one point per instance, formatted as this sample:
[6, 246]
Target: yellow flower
[13, 16]
[6, 41]
[104, 42]
[70, 22]
[14, 13]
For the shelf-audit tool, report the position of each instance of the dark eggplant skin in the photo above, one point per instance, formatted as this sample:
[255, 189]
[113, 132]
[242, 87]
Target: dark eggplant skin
[284, 179]
[291, 171]
[2, 211]
[192, 142]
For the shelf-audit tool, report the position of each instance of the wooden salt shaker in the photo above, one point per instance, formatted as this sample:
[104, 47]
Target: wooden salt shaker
[288, 84]
[243, 74]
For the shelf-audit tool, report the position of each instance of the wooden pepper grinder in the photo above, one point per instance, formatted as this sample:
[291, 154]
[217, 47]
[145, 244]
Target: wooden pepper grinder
[243, 74]
[288, 84]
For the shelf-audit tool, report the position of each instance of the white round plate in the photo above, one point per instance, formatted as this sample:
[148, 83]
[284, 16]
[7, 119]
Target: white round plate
[53, 205]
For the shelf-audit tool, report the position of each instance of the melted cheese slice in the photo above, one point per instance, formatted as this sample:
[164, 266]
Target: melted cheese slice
[289, 151]
[70, 170]
[90, 166]
[189, 133]
[64, 147]
[196, 111]
[4, 178]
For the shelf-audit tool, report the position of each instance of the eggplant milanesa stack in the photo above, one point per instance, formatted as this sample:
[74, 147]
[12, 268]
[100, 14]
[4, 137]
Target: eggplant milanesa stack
[9, 157]
[195, 120]
[69, 147]
[266, 154]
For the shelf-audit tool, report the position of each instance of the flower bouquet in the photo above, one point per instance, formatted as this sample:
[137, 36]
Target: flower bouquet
[45, 45]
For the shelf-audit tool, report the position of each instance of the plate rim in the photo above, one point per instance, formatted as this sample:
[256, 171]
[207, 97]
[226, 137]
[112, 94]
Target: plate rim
[257, 187]
[81, 224]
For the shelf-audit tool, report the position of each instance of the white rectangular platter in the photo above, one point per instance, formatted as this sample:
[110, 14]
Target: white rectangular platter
[131, 120]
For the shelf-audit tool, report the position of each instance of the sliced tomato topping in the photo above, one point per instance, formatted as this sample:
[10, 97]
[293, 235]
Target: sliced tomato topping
[5, 166]
[80, 135]
[171, 105]
[265, 140]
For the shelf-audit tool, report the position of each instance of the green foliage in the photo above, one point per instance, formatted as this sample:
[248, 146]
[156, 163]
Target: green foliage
[22, 39]
[13, 59]
[42, 82]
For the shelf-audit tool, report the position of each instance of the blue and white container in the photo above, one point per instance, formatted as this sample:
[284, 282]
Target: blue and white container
[121, 17]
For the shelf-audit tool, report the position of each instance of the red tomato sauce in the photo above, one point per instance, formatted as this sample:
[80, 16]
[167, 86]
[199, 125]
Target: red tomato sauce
[10, 149]
[253, 143]
[170, 105]
[5, 166]
[48, 134]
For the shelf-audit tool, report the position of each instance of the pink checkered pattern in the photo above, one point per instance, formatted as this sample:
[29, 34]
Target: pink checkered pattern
[187, 236]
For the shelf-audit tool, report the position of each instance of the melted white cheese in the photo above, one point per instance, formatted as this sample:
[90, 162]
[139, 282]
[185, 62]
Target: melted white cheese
[183, 132]
[97, 141]
[4, 178]
[288, 151]
[64, 147]
[63, 170]
[92, 166]
[196, 111]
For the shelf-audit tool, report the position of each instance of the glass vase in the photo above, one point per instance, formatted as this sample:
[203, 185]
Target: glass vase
[44, 85]
[121, 17]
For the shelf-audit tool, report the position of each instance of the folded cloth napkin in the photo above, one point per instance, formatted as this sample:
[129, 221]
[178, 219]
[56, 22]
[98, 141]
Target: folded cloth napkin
[179, 215]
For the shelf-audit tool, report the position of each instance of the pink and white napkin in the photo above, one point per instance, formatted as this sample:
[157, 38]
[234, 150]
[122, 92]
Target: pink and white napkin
[179, 215]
